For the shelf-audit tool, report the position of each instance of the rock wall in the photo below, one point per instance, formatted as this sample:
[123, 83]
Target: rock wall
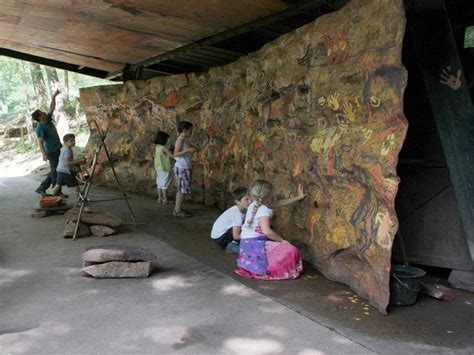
[321, 106]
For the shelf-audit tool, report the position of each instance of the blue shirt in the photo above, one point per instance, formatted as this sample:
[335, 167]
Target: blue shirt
[48, 132]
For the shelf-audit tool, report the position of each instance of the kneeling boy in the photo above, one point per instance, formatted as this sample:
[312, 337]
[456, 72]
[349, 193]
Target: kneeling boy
[66, 162]
[226, 228]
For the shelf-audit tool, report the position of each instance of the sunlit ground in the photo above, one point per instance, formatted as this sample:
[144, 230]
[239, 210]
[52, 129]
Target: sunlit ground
[13, 162]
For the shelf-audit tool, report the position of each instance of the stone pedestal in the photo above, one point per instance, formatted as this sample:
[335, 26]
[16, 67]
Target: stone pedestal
[117, 262]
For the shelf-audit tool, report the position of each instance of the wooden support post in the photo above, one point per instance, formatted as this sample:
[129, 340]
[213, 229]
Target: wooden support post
[443, 77]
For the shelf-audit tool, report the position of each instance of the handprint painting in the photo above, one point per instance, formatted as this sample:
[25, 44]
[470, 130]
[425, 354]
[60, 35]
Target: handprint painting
[451, 79]
[321, 107]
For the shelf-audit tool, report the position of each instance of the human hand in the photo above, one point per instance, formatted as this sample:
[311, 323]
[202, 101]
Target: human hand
[285, 241]
[45, 157]
[301, 193]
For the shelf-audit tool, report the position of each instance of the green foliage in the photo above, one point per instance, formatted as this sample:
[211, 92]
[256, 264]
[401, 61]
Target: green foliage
[17, 91]
[25, 147]
[70, 107]
[81, 129]
[469, 37]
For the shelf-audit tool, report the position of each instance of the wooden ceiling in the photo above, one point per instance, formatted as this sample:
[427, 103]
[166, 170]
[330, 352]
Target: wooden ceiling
[98, 37]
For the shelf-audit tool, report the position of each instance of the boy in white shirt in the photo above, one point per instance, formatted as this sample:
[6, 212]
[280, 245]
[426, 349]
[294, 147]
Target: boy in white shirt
[227, 227]
[66, 164]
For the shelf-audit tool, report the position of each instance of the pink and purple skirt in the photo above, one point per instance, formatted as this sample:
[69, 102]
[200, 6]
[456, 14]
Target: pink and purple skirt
[263, 259]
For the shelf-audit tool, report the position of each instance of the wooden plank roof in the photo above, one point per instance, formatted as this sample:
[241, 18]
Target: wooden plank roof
[99, 37]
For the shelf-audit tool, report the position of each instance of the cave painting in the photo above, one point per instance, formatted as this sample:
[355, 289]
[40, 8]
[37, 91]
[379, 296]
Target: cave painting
[321, 106]
[333, 48]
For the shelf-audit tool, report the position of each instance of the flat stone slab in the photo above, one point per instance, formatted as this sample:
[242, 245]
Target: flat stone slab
[105, 253]
[93, 217]
[40, 214]
[101, 231]
[119, 269]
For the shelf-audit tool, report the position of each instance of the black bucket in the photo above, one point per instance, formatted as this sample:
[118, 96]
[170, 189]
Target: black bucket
[404, 284]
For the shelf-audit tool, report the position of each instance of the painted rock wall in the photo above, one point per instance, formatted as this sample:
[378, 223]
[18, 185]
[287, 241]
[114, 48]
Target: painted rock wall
[321, 106]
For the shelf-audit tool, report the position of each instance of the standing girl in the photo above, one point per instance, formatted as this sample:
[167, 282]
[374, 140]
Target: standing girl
[265, 255]
[163, 166]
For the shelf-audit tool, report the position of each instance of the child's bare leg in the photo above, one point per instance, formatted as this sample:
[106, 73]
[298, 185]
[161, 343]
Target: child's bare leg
[56, 190]
[158, 190]
[179, 201]
[164, 193]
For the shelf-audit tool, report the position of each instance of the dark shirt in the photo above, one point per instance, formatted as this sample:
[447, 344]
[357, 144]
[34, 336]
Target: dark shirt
[48, 132]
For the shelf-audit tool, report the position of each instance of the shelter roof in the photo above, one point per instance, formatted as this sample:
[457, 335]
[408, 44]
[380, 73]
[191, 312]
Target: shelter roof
[165, 37]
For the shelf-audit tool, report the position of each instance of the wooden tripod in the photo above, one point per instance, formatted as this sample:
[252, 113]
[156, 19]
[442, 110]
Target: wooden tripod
[83, 199]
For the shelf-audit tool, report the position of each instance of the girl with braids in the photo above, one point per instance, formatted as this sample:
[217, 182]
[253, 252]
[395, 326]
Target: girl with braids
[265, 255]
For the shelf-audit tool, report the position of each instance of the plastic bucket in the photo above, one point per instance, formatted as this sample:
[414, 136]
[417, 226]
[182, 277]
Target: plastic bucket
[404, 284]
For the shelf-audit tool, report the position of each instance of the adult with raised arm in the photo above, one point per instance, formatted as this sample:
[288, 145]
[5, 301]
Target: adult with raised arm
[49, 144]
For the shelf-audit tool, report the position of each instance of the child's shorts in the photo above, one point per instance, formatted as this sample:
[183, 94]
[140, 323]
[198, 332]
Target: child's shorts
[183, 180]
[66, 179]
[224, 239]
[163, 179]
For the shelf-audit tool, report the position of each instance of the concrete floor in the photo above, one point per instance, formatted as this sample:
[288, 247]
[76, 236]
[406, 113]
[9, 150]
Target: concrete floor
[193, 303]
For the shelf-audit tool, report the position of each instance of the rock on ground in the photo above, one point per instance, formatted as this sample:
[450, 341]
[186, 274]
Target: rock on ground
[94, 217]
[82, 232]
[101, 231]
[40, 214]
[119, 269]
[100, 254]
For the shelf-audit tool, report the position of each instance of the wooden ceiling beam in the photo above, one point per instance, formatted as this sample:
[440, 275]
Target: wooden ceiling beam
[54, 63]
[292, 10]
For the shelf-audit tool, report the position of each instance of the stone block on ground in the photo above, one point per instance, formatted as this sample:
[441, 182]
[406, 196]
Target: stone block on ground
[105, 253]
[119, 269]
[101, 231]
[40, 214]
[82, 232]
[94, 217]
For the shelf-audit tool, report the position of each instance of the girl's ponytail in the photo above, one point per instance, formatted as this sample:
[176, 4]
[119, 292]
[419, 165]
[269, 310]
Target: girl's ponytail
[258, 203]
[258, 191]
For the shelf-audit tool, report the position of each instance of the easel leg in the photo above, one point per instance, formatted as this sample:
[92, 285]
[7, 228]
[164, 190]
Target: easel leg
[85, 191]
[120, 186]
[76, 228]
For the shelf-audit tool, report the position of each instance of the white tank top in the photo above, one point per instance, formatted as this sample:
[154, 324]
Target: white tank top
[184, 161]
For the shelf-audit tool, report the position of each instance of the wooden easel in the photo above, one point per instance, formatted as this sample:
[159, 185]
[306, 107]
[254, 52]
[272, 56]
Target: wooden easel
[83, 199]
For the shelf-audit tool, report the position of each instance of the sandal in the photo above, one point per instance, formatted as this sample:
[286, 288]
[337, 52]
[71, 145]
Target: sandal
[182, 214]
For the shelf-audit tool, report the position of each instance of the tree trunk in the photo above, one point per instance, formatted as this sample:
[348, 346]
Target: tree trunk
[66, 85]
[39, 86]
[53, 79]
[29, 106]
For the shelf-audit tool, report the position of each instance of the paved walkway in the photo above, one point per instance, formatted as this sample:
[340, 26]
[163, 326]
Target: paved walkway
[186, 306]
[48, 307]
